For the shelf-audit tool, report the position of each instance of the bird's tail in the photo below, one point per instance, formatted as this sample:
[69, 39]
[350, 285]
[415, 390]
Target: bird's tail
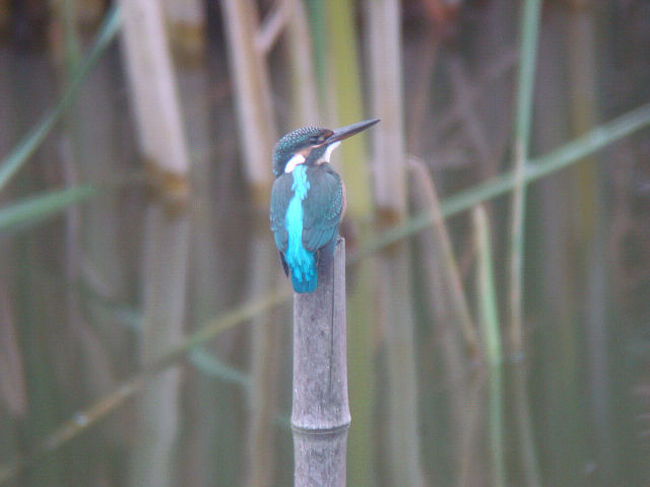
[307, 286]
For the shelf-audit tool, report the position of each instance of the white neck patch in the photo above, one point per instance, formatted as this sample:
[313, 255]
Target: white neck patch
[293, 162]
[328, 151]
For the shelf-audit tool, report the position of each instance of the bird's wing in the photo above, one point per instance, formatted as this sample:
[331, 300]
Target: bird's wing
[280, 196]
[323, 207]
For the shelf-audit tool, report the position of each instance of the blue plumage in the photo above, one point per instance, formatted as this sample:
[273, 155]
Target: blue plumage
[307, 201]
[301, 262]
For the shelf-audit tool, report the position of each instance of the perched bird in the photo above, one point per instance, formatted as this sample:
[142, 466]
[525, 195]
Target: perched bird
[308, 200]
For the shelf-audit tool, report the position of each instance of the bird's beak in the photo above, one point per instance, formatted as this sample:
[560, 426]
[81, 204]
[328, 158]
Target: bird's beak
[349, 130]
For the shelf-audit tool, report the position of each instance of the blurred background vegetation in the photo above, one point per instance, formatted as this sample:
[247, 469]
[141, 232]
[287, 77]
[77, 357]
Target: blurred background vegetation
[497, 231]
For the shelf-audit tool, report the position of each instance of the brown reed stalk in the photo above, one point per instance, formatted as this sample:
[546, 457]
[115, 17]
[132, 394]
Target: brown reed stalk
[156, 106]
[255, 122]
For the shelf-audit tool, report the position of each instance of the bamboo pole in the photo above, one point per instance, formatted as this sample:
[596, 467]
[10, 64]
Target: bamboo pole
[320, 413]
[320, 386]
[320, 458]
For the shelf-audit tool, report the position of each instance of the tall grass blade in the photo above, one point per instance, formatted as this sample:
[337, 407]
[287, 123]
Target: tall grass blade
[38, 208]
[523, 119]
[209, 364]
[97, 411]
[529, 35]
[28, 145]
[489, 320]
[537, 168]
[487, 296]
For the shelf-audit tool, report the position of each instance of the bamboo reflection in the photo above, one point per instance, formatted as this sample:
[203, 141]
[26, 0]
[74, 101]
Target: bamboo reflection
[265, 361]
[164, 279]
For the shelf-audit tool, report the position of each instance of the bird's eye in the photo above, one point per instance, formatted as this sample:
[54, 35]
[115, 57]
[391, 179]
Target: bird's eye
[319, 139]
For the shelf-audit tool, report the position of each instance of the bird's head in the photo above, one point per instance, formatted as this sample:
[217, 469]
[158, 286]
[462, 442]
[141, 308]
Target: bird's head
[311, 145]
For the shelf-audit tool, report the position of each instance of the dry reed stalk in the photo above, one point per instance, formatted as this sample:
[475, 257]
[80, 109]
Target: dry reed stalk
[427, 199]
[387, 104]
[265, 364]
[186, 22]
[256, 126]
[305, 98]
[153, 87]
[163, 144]
[167, 240]
[384, 17]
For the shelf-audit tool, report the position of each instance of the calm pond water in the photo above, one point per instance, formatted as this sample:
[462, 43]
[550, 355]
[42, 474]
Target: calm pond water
[100, 386]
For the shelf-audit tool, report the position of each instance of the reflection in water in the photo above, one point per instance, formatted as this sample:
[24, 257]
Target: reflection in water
[165, 263]
[264, 274]
[398, 325]
[320, 458]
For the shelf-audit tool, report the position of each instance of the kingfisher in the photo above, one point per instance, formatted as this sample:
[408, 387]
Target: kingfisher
[308, 200]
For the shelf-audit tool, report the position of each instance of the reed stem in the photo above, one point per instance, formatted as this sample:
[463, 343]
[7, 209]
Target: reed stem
[523, 120]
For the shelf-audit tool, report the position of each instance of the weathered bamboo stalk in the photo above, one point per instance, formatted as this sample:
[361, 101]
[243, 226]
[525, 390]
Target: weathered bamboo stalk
[320, 413]
[320, 385]
[320, 458]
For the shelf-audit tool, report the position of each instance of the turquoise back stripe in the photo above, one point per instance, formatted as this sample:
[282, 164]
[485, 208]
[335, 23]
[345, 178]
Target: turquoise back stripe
[301, 262]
